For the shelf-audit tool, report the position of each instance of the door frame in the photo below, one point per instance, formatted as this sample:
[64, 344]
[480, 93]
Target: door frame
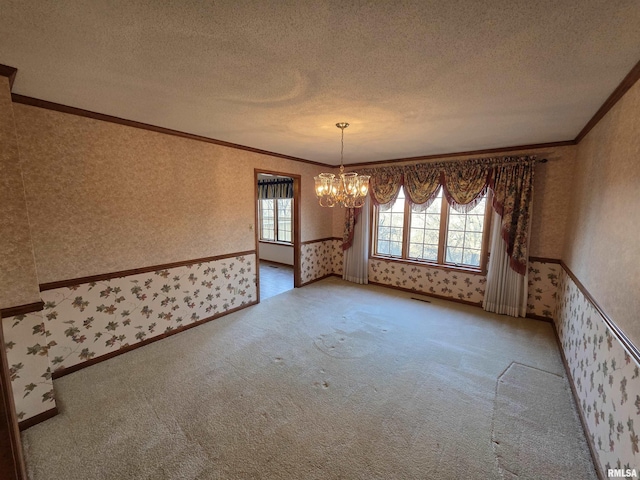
[297, 180]
[12, 465]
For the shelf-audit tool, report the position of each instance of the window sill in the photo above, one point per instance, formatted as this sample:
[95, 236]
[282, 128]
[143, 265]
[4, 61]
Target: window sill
[453, 268]
[272, 242]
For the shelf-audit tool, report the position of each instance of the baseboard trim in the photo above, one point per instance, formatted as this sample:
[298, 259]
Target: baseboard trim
[74, 368]
[135, 271]
[533, 316]
[320, 278]
[41, 417]
[433, 295]
[271, 262]
[22, 309]
[583, 420]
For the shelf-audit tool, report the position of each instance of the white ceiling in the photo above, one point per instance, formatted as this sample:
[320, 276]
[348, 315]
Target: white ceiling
[414, 77]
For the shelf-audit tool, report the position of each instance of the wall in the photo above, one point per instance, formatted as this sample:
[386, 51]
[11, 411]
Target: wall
[605, 377]
[86, 321]
[320, 258]
[18, 279]
[104, 197]
[99, 198]
[603, 253]
[276, 253]
[604, 230]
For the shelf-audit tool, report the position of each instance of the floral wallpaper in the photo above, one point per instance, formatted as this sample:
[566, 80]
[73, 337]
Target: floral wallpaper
[445, 283]
[87, 321]
[320, 259]
[543, 288]
[27, 349]
[606, 378]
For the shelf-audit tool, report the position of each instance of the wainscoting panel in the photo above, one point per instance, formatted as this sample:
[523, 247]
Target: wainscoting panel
[606, 378]
[320, 259]
[543, 288]
[81, 323]
[27, 346]
[461, 286]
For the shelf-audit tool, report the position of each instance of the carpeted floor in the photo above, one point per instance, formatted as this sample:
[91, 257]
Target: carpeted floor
[330, 381]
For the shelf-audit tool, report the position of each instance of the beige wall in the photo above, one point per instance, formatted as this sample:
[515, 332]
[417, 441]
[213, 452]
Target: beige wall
[552, 196]
[603, 242]
[104, 197]
[18, 280]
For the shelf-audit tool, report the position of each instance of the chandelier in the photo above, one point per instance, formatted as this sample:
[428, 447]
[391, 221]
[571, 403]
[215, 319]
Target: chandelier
[347, 189]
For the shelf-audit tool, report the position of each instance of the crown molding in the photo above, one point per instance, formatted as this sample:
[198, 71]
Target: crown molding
[58, 107]
[627, 82]
[487, 151]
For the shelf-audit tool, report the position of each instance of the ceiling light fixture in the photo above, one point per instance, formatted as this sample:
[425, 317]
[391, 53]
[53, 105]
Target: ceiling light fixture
[347, 189]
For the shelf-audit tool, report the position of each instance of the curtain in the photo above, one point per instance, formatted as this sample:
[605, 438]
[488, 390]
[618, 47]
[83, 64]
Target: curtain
[351, 218]
[506, 290]
[277, 188]
[512, 186]
[466, 183]
[384, 185]
[421, 185]
[356, 257]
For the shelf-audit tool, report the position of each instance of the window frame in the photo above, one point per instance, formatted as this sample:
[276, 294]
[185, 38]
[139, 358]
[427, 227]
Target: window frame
[442, 239]
[275, 222]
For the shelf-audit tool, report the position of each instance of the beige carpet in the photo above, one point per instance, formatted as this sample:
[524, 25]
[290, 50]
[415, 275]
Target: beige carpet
[331, 381]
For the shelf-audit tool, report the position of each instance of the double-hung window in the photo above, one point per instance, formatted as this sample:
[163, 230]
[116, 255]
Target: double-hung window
[438, 235]
[275, 219]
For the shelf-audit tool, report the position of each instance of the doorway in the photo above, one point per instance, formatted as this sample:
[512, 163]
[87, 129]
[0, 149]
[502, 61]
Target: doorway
[277, 232]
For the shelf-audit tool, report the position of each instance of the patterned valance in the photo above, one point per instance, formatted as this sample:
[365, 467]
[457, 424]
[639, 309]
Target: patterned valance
[464, 183]
[275, 188]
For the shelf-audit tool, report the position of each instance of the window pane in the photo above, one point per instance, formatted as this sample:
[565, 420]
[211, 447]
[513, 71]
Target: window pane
[456, 221]
[425, 232]
[430, 253]
[390, 228]
[284, 219]
[395, 249]
[417, 235]
[267, 219]
[432, 237]
[471, 257]
[464, 236]
[454, 255]
[415, 250]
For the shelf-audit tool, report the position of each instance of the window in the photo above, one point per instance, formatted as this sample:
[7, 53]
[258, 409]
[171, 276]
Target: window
[275, 219]
[436, 235]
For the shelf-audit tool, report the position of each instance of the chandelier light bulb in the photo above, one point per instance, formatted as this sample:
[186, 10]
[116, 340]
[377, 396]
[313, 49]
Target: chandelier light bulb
[347, 189]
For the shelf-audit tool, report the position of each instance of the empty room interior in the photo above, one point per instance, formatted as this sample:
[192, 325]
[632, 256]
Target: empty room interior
[320, 240]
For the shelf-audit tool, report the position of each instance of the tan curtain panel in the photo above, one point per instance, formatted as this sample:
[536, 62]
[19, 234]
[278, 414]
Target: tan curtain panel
[384, 185]
[465, 183]
[512, 186]
[421, 184]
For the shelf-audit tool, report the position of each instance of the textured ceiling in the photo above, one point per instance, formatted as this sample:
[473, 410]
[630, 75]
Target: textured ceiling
[412, 77]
